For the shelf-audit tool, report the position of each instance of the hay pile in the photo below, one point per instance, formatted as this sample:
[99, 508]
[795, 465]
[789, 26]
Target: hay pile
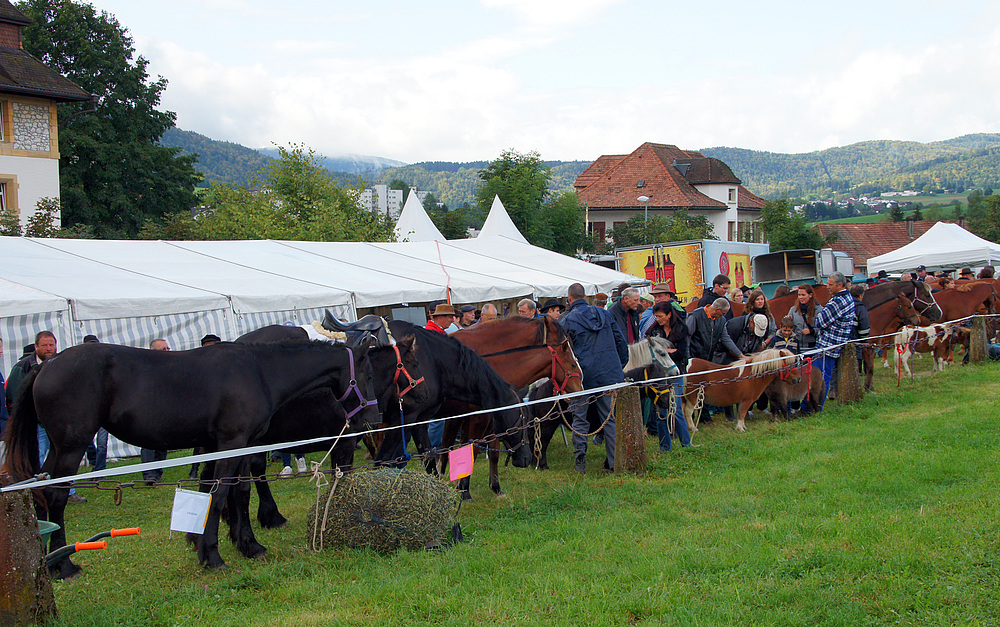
[383, 510]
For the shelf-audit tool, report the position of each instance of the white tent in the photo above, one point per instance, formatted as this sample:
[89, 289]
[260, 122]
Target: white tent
[944, 245]
[413, 224]
[499, 224]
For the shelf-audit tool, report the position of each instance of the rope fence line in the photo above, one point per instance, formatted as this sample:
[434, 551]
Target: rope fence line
[94, 478]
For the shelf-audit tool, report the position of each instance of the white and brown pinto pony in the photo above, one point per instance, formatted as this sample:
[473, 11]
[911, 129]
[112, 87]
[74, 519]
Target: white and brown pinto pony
[739, 383]
[937, 339]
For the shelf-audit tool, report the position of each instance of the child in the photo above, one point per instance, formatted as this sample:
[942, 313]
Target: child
[786, 336]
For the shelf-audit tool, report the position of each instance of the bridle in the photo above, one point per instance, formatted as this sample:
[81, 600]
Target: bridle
[353, 387]
[401, 369]
[556, 359]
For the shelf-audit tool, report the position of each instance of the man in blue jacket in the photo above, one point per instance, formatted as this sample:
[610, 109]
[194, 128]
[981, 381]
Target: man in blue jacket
[601, 349]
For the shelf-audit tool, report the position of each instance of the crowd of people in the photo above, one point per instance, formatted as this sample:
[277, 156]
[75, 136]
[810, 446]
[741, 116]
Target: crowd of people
[601, 333]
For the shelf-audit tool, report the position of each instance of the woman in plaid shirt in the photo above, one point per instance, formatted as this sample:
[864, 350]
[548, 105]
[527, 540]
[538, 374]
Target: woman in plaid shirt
[834, 323]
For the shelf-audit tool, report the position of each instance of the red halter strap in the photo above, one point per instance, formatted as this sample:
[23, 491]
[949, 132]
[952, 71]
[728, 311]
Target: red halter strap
[567, 374]
[400, 368]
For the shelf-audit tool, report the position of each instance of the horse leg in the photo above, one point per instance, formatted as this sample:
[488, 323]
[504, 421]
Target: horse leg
[493, 454]
[267, 509]
[240, 530]
[868, 362]
[688, 408]
[60, 464]
[741, 416]
[208, 542]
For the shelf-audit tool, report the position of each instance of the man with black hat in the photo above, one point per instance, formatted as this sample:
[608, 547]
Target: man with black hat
[467, 316]
[552, 308]
[882, 277]
[210, 339]
[966, 274]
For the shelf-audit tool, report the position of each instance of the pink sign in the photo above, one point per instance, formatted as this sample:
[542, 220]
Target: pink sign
[460, 462]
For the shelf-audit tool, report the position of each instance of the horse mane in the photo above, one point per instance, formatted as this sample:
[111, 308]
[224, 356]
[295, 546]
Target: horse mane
[767, 360]
[965, 288]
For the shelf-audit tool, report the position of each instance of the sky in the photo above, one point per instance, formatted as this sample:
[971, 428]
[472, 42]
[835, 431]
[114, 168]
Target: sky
[570, 79]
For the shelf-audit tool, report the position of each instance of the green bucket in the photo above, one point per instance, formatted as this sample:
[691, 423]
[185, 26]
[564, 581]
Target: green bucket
[46, 528]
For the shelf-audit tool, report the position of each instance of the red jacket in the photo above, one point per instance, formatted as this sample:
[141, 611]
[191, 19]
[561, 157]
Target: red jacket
[433, 326]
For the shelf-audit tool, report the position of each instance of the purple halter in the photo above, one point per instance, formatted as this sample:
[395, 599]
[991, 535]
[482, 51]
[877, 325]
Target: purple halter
[353, 387]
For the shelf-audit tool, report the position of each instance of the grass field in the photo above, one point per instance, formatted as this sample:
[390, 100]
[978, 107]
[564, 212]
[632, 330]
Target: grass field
[885, 512]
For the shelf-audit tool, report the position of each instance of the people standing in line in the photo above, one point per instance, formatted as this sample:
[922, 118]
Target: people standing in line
[625, 313]
[803, 314]
[602, 352]
[669, 325]
[527, 308]
[833, 324]
[147, 455]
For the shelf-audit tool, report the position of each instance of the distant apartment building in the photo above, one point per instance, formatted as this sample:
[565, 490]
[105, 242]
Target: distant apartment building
[383, 200]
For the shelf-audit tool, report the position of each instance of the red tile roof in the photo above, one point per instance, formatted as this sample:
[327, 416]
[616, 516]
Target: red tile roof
[613, 180]
[864, 241]
[748, 200]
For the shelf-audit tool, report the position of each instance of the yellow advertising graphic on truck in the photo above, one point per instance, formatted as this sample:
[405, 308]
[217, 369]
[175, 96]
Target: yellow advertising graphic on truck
[688, 266]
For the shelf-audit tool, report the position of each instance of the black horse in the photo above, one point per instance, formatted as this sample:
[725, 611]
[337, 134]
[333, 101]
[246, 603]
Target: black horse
[545, 418]
[318, 414]
[453, 371]
[218, 397]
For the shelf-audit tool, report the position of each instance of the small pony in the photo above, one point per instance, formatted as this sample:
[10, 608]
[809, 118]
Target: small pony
[739, 383]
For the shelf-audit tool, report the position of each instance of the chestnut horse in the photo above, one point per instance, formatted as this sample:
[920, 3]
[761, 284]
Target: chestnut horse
[739, 383]
[522, 351]
[885, 319]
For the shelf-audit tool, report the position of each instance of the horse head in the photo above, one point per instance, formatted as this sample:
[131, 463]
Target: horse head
[658, 392]
[566, 371]
[923, 301]
[651, 350]
[905, 310]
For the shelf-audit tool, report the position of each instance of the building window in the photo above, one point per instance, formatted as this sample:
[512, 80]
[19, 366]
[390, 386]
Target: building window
[3, 198]
[8, 193]
[732, 194]
[732, 232]
[597, 228]
[4, 107]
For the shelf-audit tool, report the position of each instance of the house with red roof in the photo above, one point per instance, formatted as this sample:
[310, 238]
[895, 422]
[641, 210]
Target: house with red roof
[671, 179]
[29, 129]
[864, 241]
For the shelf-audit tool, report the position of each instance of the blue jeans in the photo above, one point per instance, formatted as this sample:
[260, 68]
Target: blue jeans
[286, 458]
[829, 366]
[679, 422]
[97, 452]
[435, 431]
[43, 445]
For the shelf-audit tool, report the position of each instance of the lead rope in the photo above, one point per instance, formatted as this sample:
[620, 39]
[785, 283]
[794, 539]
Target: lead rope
[698, 402]
[319, 528]
[614, 394]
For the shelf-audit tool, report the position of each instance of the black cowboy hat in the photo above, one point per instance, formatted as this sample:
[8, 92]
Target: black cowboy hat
[550, 303]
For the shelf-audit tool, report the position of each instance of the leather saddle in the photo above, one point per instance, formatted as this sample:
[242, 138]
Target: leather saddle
[367, 332]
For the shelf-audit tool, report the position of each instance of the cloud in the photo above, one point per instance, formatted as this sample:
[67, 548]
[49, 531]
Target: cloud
[551, 12]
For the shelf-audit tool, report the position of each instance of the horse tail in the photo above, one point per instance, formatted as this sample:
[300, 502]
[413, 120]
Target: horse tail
[22, 433]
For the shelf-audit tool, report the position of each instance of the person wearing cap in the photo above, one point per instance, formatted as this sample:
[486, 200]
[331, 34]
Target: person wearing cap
[600, 300]
[966, 274]
[661, 293]
[467, 316]
[882, 277]
[442, 317]
[747, 333]
[922, 273]
[210, 339]
[552, 308]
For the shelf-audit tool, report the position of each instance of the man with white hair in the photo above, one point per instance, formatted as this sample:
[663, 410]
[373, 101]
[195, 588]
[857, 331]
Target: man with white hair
[834, 324]
[626, 314]
[527, 308]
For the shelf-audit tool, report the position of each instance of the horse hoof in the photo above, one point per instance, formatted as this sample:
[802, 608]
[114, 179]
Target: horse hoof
[260, 555]
[501, 494]
[220, 567]
[466, 496]
[65, 570]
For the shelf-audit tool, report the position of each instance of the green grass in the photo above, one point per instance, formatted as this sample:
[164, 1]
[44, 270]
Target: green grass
[885, 512]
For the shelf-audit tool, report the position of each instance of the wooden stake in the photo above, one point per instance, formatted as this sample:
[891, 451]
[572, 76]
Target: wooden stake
[849, 385]
[977, 341]
[630, 433]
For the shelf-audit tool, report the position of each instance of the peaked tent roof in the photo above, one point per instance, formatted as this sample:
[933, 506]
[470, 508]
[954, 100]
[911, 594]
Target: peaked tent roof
[499, 224]
[944, 245]
[414, 225]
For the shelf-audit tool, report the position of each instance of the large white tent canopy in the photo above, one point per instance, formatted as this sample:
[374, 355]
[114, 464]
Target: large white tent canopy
[130, 292]
[944, 245]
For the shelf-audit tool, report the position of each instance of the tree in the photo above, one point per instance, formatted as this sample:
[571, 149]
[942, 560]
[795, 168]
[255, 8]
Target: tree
[295, 199]
[896, 214]
[680, 226]
[522, 183]
[787, 229]
[113, 174]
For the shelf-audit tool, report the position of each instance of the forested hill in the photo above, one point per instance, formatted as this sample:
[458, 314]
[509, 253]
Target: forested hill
[455, 183]
[218, 161]
[970, 160]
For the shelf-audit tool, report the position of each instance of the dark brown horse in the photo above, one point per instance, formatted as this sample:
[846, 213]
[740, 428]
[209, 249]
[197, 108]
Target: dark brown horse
[885, 319]
[522, 351]
[739, 383]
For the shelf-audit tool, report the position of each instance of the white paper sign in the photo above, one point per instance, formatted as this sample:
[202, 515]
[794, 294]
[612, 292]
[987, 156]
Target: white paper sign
[190, 511]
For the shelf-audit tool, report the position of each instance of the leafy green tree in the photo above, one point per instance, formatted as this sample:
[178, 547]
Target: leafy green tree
[787, 229]
[896, 214]
[113, 174]
[401, 185]
[295, 199]
[566, 223]
[984, 217]
[678, 227]
[522, 183]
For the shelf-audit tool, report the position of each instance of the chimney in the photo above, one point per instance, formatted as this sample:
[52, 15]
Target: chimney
[909, 227]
